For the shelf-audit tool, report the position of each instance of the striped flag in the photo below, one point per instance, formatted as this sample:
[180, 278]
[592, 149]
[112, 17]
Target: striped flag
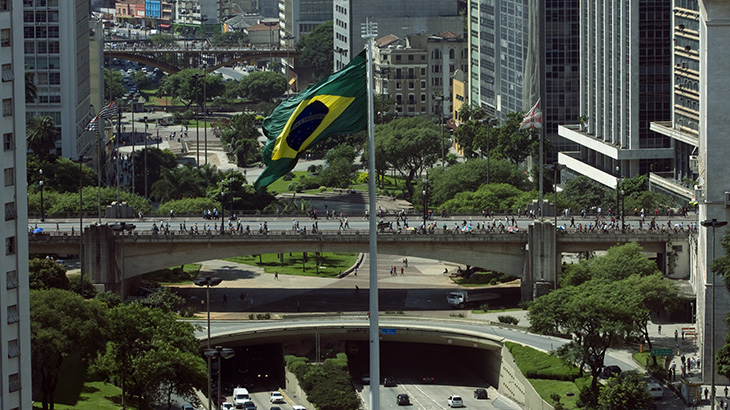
[109, 111]
[93, 125]
[533, 118]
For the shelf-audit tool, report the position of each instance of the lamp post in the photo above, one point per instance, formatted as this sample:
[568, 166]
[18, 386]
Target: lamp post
[218, 353]
[440, 113]
[207, 282]
[287, 37]
[425, 202]
[81, 224]
[145, 157]
[205, 113]
[556, 179]
[618, 193]
[714, 223]
[134, 135]
[197, 124]
[43, 218]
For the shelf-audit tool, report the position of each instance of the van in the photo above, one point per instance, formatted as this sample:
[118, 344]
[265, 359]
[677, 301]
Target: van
[240, 396]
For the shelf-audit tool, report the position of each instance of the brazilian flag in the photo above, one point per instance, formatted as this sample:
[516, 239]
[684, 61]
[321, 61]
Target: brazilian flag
[336, 105]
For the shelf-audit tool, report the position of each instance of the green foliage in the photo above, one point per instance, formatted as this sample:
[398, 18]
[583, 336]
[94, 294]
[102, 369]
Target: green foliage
[618, 263]
[538, 365]
[241, 133]
[190, 206]
[316, 48]
[183, 85]
[152, 354]
[584, 192]
[624, 391]
[165, 299]
[62, 323]
[47, 274]
[162, 40]
[497, 197]
[156, 161]
[63, 204]
[41, 134]
[113, 88]
[230, 38]
[516, 145]
[339, 169]
[59, 174]
[508, 319]
[263, 85]
[445, 183]
[184, 182]
[110, 299]
[75, 285]
[328, 386]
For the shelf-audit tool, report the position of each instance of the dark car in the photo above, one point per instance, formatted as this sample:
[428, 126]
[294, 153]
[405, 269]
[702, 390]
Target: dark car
[481, 394]
[427, 379]
[402, 400]
[389, 382]
[610, 371]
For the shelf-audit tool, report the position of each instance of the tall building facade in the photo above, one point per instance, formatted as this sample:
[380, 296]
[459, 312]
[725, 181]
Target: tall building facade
[15, 357]
[398, 18]
[625, 83]
[56, 48]
[299, 17]
[508, 66]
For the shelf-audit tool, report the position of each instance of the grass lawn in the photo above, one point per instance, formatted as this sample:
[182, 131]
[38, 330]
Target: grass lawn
[174, 276]
[642, 359]
[330, 264]
[282, 186]
[477, 311]
[546, 387]
[74, 391]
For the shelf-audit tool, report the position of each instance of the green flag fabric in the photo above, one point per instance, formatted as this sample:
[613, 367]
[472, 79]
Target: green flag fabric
[336, 105]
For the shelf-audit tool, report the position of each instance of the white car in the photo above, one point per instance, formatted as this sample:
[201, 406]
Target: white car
[655, 390]
[227, 406]
[276, 397]
[455, 401]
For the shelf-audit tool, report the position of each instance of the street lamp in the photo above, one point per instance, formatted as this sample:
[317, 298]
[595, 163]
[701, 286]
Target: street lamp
[425, 202]
[81, 223]
[145, 157]
[196, 76]
[205, 113]
[207, 282]
[556, 180]
[41, 184]
[218, 353]
[714, 223]
[440, 111]
[490, 122]
[619, 191]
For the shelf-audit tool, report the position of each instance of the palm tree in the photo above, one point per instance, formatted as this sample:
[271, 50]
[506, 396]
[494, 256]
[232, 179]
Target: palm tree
[41, 134]
[31, 90]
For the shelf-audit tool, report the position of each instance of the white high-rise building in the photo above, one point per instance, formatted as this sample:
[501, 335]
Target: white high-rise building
[55, 40]
[625, 83]
[15, 360]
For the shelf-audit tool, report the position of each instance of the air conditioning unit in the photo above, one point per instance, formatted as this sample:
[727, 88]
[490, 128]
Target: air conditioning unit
[693, 164]
[727, 198]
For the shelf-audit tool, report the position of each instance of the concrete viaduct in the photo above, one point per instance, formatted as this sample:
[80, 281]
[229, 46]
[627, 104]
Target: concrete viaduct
[112, 258]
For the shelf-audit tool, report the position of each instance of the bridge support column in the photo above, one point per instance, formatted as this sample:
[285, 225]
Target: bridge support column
[541, 266]
[100, 257]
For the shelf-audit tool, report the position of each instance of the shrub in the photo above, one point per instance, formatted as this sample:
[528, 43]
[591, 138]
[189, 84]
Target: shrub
[484, 307]
[187, 311]
[508, 319]
[312, 168]
[538, 365]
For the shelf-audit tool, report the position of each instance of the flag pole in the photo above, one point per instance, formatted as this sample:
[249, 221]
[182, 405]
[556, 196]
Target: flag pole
[369, 31]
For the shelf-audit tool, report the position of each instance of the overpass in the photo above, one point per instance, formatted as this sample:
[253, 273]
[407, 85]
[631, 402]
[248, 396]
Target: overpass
[113, 258]
[172, 59]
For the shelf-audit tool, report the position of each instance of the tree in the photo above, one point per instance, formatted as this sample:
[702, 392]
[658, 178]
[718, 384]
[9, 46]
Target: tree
[627, 390]
[165, 299]
[75, 285]
[47, 274]
[596, 314]
[316, 48]
[31, 90]
[157, 160]
[618, 263]
[584, 192]
[151, 354]
[59, 174]
[163, 40]
[241, 133]
[339, 170]
[263, 85]
[183, 85]
[113, 88]
[41, 134]
[384, 107]
[62, 323]
[513, 144]
[230, 38]
[180, 182]
[409, 145]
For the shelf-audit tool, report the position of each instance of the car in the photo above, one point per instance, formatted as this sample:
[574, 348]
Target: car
[455, 401]
[427, 379]
[227, 406]
[610, 371]
[389, 382]
[365, 379]
[187, 406]
[481, 394]
[402, 400]
[249, 405]
[274, 408]
[122, 226]
[298, 408]
[655, 390]
[276, 397]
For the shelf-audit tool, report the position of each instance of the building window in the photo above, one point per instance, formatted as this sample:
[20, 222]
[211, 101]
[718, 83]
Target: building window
[13, 314]
[423, 72]
[10, 245]
[10, 211]
[4, 5]
[9, 174]
[7, 107]
[14, 382]
[13, 348]
[8, 141]
[5, 37]
[11, 279]
[7, 72]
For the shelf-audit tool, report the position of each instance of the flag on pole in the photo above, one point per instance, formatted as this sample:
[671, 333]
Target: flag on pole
[533, 118]
[109, 111]
[93, 125]
[336, 105]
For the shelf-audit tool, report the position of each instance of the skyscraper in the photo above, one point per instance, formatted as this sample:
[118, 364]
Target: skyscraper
[15, 360]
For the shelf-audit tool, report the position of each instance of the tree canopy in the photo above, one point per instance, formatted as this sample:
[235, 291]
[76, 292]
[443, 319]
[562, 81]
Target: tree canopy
[627, 390]
[41, 135]
[184, 86]
[263, 85]
[316, 48]
[47, 274]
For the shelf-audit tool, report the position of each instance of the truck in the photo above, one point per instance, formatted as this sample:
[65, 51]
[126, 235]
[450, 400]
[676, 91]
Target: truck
[459, 299]
[240, 396]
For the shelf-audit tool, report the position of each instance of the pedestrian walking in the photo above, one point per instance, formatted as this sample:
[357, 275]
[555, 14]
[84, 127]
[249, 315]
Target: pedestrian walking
[706, 393]
[276, 275]
[676, 335]
[660, 329]
[725, 391]
[354, 271]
